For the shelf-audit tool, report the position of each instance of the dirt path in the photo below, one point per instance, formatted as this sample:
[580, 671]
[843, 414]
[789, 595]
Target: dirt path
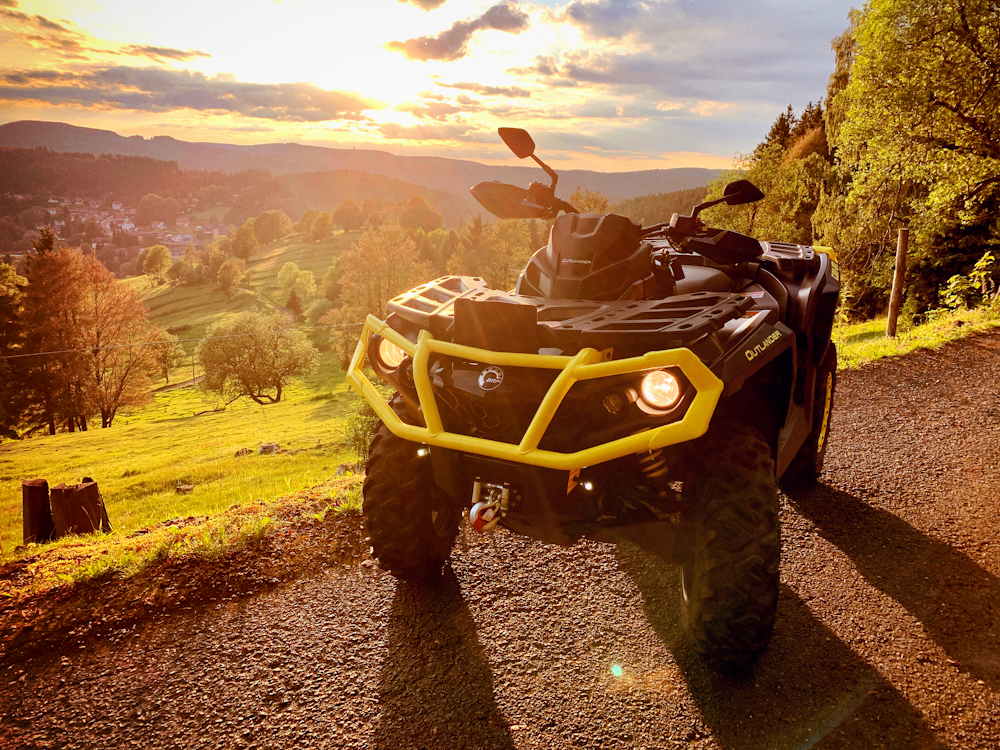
[888, 632]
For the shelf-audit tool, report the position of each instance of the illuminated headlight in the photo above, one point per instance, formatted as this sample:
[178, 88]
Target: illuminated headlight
[660, 389]
[390, 355]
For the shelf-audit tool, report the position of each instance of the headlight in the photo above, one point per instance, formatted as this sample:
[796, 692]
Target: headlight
[390, 355]
[660, 389]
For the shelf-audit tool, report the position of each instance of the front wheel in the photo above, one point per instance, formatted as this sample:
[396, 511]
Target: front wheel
[729, 583]
[412, 524]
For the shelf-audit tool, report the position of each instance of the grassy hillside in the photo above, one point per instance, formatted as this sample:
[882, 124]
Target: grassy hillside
[139, 461]
[178, 439]
[199, 306]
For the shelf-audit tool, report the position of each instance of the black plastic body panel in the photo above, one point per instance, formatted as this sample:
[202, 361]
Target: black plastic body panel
[589, 257]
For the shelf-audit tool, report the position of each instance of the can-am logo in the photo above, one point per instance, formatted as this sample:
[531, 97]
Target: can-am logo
[490, 378]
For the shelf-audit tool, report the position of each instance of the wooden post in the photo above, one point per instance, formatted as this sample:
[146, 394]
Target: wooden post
[898, 278]
[78, 509]
[37, 517]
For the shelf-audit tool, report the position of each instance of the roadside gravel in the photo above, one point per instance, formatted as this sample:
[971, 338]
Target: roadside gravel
[887, 631]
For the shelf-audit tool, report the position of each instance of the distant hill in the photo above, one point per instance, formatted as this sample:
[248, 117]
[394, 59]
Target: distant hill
[237, 195]
[454, 176]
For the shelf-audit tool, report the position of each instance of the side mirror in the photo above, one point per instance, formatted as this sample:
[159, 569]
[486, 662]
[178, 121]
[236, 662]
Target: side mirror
[518, 141]
[741, 191]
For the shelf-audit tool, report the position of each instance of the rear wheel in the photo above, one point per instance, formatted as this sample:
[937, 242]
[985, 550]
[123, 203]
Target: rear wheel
[729, 582]
[412, 524]
[805, 468]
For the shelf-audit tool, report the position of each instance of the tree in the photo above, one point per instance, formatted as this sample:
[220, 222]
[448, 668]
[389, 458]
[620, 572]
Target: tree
[497, 252]
[45, 242]
[294, 304]
[781, 132]
[304, 226]
[590, 202]
[271, 226]
[213, 260]
[94, 328]
[254, 355]
[245, 242]
[918, 142]
[305, 287]
[229, 277]
[114, 331]
[791, 190]
[349, 215]
[11, 342]
[330, 283]
[154, 208]
[382, 264]
[179, 271]
[322, 227]
[53, 385]
[287, 276]
[420, 214]
[157, 263]
[166, 353]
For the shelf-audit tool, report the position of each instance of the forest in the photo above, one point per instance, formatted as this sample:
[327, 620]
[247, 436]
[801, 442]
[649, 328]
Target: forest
[908, 134]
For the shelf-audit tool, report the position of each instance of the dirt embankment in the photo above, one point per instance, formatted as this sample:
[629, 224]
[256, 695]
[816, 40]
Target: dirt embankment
[888, 632]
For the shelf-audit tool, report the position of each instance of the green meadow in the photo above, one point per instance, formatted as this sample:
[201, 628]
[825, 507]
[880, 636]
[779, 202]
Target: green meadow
[860, 343]
[180, 438]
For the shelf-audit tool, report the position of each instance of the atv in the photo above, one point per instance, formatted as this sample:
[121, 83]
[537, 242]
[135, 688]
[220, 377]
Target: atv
[649, 385]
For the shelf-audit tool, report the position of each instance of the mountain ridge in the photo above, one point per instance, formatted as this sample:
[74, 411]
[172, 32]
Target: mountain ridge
[453, 176]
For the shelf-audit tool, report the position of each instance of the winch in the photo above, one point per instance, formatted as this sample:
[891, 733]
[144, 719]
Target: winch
[489, 504]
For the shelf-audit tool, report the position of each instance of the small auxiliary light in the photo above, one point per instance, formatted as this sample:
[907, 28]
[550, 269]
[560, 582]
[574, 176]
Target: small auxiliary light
[422, 452]
[588, 486]
[660, 389]
[390, 355]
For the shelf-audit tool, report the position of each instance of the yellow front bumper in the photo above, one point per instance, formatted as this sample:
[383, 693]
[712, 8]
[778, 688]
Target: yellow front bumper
[586, 365]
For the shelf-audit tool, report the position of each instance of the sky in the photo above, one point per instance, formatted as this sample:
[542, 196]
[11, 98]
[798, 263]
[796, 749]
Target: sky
[610, 85]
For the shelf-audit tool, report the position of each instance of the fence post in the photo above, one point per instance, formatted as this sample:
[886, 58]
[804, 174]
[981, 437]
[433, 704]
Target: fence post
[898, 278]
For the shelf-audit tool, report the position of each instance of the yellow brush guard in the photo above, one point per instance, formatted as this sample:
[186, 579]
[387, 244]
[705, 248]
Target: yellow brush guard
[586, 365]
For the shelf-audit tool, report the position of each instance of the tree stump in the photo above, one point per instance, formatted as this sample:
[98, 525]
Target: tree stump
[37, 523]
[78, 509]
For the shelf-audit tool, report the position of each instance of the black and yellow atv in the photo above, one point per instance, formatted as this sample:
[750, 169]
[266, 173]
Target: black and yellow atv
[646, 384]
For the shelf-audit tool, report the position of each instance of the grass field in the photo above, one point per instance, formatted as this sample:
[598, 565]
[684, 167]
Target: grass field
[859, 343]
[141, 459]
[262, 271]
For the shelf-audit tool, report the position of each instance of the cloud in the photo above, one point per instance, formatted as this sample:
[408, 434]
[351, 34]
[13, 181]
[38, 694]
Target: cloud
[161, 53]
[164, 90]
[669, 106]
[607, 19]
[512, 92]
[434, 132]
[425, 4]
[430, 110]
[45, 33]
[709, 108]
[675, 50]
[8, 3]
[453, 43]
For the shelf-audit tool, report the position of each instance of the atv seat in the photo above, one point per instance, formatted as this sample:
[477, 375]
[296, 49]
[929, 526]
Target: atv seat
[704, 279]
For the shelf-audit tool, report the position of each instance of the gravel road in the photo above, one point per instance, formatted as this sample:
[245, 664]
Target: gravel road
[887, 630]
